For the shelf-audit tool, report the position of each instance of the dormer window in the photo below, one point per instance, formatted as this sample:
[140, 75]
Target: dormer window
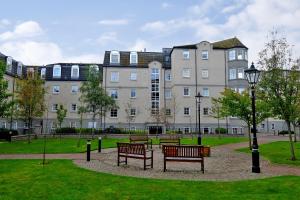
[114, 57]
[19, 69]
[75, 71]
[9, 64]
[43, 73]
[56, 71]
[133, 58]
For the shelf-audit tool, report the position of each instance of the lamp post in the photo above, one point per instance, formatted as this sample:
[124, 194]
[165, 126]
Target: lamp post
[252, 76]
[198, 100]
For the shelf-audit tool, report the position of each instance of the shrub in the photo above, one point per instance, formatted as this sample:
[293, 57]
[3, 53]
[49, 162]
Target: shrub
[5, 133]
[134, 132]
[221, 130]
[285, 132]
[65, 131]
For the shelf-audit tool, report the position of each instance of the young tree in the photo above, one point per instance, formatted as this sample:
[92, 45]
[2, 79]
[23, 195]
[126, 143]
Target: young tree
[30, 95]
[239, 105]
[5, 102]
[81, 111]
[61, 114]
[94, 97]
[216, 111]
[279, 85]
[129, 115]
[174, 104]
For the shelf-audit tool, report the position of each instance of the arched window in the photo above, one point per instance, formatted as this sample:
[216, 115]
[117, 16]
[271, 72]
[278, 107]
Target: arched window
[75, 71]
[56, 71]
[114, 57]
[133, 58]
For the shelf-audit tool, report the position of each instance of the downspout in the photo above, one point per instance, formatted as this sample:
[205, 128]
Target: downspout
[196, 77]
[104, 119]
[12, 109]
[226, 78]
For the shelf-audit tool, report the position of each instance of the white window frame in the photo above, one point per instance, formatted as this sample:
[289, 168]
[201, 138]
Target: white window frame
[131, 90]
[232, 74]
[188, 89]
[132, 54]
[111, 110]
[73, 74]
[43, 73]
[246, 54]
[205, 73]
[58, 73]
[116, 95]
[133, 76]
[168, 93]
[71, 108]
[186, 54]
[204, 55]
[132, 114]
[114, 76]
[205, 108]
[186, 128]
[55, 89]
[168, 76]
[240, 54]
[92, 124]
[19, 68]
[3, 124]
[115, 53]
[205, 92]
[73, 124]
[240, 73]
[186, 109]
[77, 89]
[272, 126]
[9, 62]
[186, 73]
[231, 54]
[54, 107]
[169, 112]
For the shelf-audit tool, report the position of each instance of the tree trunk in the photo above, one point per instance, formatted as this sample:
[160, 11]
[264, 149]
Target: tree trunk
[295, 135]
[93, 130]
[293, 157]
[29, 131]
[78, 142]
[249, 136]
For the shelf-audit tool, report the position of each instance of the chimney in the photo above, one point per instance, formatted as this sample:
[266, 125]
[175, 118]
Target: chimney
[145, 49]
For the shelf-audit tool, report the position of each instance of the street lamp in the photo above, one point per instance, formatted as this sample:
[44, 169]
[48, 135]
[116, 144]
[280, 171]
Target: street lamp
[198, 100]
[252, 76]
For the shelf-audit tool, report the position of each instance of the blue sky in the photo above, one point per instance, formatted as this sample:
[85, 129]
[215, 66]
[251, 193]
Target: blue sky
[43, 32]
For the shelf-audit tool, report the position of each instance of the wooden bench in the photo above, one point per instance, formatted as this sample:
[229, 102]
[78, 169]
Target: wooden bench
[137, 151]
[169, 140]
[186, 153]
[141, 139]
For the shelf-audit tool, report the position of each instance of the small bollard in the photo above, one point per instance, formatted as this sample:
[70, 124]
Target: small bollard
[99, 144]
[199, 140]
[88, 150]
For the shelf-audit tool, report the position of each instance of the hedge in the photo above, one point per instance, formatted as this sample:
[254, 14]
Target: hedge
[4, 133]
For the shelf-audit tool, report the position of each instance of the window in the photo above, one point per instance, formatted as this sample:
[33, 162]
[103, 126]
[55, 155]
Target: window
[186, 129]
[132, 112]
[186, 91]
[232, 55]
[113, 112]
[272, 126]
[186, 111]
[168, 94]
[241, 90]
[74, 89]
[75, 71]
[234, 130]
[205, 111]
[205, 92]
[9, 64]
[240, 73]
[155, 91]
[114, 94]
[232, 74]
[92, 124]
[186, 73]
[53, 125]
[204, 73]
[133, 93]
[94, 67]
[72, 124]
[3, 125]
[43, 73]
[168, 76]
[56, 71]
[186, 54]
[114, 76]
[263, 126]
[15, 125]
[204, 55]
[133, 76]
[240, 54]
[168, 111]
[133, 58]
[114, 57]
[206, 130]
[246, 55]
[56, 89]
[73, 107]
[54, 107]
[19, 68]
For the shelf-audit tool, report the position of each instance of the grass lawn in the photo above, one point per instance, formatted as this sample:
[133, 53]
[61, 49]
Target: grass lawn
[69, 145]
[278, 152]
[61, 179]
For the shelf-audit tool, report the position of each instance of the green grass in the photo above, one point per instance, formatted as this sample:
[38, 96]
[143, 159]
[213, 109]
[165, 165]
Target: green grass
[61, 179]
[69, 145]
[278, 152]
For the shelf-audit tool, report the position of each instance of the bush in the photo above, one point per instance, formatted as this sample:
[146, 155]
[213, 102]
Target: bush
[221, 130]
[4, 134]
[134, 132]
[65, 131]
[285, 132]
[173, 132]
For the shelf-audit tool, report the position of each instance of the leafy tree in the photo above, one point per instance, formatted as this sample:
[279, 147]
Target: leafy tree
[216, 112]
[5, 102]
[30, 95]
[61, 114]
[279, 85]
[94, 97]
[239, 105]
[129, 117]
[81, 111]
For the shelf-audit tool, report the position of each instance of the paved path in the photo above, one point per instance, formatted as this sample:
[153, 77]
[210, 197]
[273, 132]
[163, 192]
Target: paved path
[223, 165]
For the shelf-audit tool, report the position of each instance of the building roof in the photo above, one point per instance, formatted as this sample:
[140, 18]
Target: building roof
[144, 58]
[228, 44]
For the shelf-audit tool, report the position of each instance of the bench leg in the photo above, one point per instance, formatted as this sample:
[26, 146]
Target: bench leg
[164, 165]
[202, 167]
[118, 160]
[152, 159]
[126, 160]
[144, 163]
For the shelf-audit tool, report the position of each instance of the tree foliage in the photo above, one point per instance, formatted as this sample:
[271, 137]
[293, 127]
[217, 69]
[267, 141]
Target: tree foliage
[5, 102]
[61, 114]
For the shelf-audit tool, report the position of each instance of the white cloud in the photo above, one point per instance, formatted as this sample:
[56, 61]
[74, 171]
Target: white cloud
[113, 22]
[139, 45]
[106, 38]
[4, 23]
[24, 30]
[166, 5]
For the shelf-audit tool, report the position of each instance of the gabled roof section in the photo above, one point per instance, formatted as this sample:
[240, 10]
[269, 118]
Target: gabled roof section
[228, 44]
[144, 58]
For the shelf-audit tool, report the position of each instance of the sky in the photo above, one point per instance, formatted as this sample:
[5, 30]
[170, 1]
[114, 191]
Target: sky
[42, 32]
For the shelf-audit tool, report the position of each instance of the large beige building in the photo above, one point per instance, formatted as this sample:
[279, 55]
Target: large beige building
[154, 91]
